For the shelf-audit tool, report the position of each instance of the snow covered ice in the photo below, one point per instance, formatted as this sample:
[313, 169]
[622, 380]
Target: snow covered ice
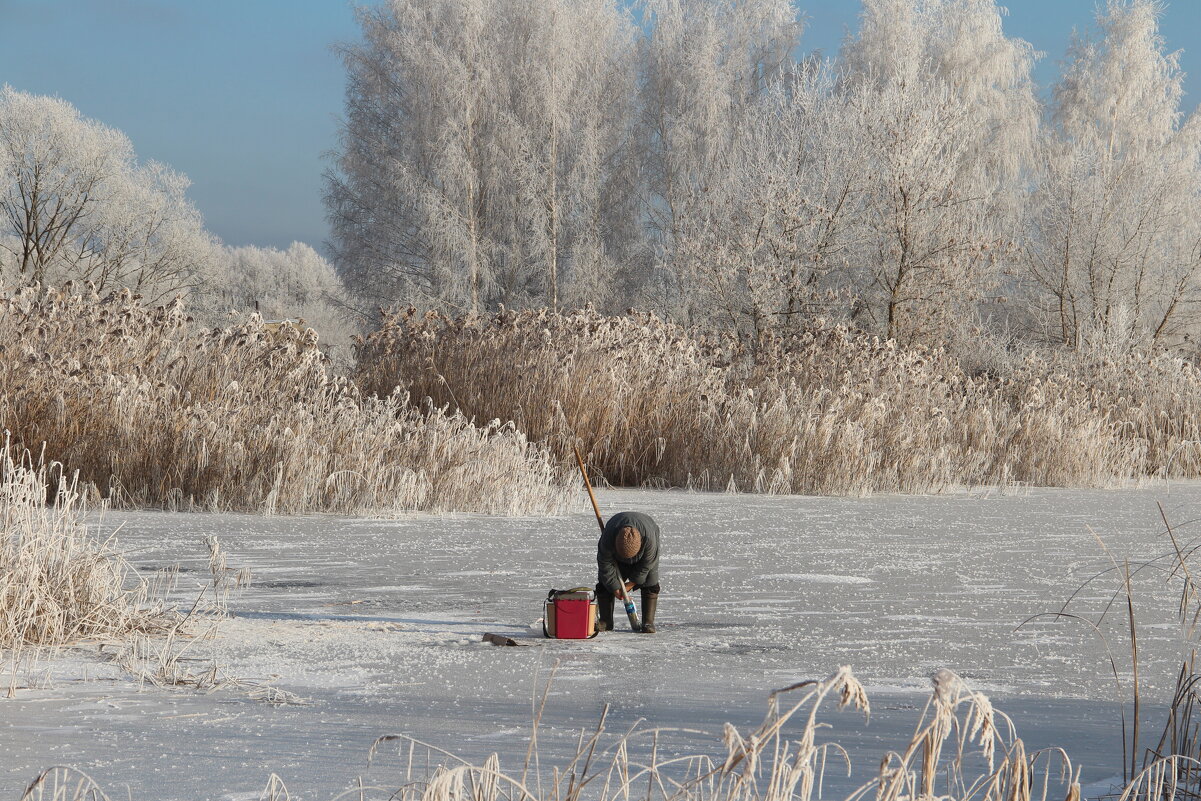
[376, 625]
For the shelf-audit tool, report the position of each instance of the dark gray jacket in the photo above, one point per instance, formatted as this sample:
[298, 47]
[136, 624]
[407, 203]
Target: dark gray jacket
[643, 569]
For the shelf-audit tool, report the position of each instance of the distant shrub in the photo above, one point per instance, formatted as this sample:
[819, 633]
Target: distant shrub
[292, 284]
[828, 410]
[154, 411]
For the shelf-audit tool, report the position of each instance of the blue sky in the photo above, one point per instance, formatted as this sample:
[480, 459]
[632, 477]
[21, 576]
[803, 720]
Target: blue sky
[243, 95]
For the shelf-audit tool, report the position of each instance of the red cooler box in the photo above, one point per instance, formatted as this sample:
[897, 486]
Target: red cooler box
[570, 614]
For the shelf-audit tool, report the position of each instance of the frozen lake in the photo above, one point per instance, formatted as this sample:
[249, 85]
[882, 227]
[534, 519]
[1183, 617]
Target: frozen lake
[376, 625]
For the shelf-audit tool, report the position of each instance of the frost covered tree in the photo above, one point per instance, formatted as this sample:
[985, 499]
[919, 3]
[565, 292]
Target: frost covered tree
[884, 187]
[928, 244]
[574, 164]
[486, 153]
[556, 153]
[948, 115]
[76, 204]
[961, 45]
[772, 243]
[705, 65]
[1114, 241]
[407, 202]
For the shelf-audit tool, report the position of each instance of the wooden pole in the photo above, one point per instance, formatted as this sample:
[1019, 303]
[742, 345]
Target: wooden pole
[631, 610]
[584, 472]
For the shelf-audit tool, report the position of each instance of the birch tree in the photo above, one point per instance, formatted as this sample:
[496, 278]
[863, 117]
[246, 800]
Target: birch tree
[928, 246]
[1114, 242]
[573, 105]
[947, 106]
[772, 245]
[705, 64]
[407, 201]
[486, 154]
[75, 204]
[962, 45]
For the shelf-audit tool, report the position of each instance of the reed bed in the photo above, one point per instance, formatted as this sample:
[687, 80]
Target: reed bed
[825, 411]
[63, 583]
[60, 581]
[152, 410]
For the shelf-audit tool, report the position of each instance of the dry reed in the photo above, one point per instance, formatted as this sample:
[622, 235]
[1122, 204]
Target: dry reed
[153, 411]
[59, 581]
[826, 411]
[62, 583]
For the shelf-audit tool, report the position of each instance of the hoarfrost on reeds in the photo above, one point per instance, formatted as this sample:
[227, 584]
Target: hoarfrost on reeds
[828, 411]
[154, 411]
[60, 581]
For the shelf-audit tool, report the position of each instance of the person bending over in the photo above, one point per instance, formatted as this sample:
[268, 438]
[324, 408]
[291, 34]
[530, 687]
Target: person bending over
[627, 558]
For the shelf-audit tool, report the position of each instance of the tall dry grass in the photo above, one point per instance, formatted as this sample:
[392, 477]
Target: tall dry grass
[59, 580]
[152, 410]
[1154, 402]
[827, 411]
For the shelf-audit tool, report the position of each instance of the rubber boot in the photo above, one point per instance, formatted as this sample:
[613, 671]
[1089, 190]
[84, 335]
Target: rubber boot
[650, 600]
[604, 610]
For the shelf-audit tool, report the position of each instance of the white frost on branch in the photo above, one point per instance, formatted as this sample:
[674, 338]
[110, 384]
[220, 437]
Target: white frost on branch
[1114, 239]
[676, 154]
[76, 204]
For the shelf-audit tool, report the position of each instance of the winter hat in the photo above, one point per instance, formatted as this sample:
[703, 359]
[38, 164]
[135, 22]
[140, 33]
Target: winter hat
[629, 543]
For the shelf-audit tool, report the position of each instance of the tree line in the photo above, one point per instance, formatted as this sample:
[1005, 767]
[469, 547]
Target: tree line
[77, 205]
[687, 157]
